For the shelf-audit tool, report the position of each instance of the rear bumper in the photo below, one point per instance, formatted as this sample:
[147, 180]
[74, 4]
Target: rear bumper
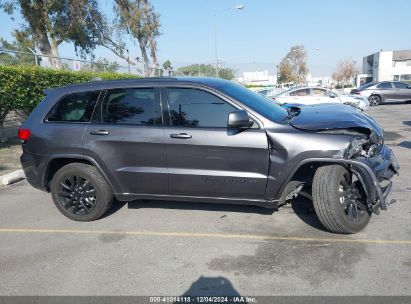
[34, 167]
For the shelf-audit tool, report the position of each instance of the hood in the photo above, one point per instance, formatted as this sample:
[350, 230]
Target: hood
[335, 117]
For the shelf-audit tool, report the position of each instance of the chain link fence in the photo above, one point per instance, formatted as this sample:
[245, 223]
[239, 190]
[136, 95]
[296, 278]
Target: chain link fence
[11, 57]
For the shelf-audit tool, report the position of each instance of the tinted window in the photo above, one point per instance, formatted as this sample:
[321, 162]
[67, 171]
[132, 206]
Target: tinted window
[384, 85]
[197, 108]
[400, 85]
[131, 106]
[76, 107]
[301, 92]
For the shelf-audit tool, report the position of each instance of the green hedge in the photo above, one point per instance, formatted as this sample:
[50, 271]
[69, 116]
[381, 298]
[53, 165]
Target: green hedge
[21, 87]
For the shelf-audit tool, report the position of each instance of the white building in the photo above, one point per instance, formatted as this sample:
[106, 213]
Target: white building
[386, 65]
[258, 78]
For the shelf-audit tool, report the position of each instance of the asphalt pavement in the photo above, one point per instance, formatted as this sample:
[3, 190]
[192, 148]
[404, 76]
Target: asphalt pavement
[172, 248]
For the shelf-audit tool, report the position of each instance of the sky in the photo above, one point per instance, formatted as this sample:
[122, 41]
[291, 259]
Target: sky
[259, 36]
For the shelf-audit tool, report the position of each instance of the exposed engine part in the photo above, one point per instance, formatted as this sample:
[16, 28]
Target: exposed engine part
[293, 193]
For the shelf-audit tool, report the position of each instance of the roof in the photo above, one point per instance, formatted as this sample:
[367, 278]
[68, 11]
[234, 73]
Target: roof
[101, 84]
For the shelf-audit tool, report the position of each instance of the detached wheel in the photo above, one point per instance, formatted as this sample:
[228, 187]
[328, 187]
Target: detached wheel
[339, 200]
[374, 100]
[80, 192]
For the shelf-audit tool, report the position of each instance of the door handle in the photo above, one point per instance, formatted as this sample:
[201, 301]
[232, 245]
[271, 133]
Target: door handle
[99, 132]
[181, 135]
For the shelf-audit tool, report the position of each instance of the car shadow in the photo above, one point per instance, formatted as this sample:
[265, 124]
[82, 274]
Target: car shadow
[139, 204]
[405, 144]
[211, 286]
[394, 103]
[304, 209]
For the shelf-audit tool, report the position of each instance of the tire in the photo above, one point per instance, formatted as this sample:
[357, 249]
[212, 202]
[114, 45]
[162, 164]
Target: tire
[374, 100]
[80, 192]
[339, 208]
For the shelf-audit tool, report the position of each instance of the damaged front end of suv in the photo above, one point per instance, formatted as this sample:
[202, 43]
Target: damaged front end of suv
[380, 164]
[372, 162]
[348, 164]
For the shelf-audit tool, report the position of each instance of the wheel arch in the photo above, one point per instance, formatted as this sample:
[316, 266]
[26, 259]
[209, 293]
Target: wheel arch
[307, 168]
[378, 95]
[56, 162]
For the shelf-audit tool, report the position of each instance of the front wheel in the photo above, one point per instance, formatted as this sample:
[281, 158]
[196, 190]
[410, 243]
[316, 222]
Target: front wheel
[339, 200]
[80, 192]
[374, 100]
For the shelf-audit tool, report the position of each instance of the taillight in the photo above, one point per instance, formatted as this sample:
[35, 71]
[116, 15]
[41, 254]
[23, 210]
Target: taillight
[24, 134]
[273, 98]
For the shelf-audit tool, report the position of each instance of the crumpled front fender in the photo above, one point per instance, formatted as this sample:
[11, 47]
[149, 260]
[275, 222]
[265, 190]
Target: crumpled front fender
[375, 174]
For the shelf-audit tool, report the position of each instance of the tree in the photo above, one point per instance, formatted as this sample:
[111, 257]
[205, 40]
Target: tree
[207, 70]
[22, 43]
[346, 70]
[293, 67]
[52, 22]
[101, 65]
[167, 65]
[152, 29]
[138, 19]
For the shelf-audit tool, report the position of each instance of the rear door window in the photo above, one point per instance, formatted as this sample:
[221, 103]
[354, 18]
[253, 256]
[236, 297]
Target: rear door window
[76, 107]
[135, 106]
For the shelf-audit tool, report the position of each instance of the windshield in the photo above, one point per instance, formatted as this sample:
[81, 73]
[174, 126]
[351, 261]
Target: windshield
[257, 102]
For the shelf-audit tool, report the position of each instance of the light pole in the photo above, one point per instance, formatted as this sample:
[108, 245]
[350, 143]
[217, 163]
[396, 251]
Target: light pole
[238, 7]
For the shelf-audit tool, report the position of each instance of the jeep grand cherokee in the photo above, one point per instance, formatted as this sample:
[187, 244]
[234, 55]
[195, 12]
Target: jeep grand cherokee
[207, 140]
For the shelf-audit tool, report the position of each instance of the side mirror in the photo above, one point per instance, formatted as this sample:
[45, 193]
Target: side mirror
[239, 120]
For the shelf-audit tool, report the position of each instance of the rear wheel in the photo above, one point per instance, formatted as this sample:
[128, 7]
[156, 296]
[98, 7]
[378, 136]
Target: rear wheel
[374, 100]
[80, 192]
[339, 200]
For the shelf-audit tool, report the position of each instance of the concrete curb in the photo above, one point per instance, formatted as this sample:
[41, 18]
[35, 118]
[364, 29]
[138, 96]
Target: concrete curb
[12, 177]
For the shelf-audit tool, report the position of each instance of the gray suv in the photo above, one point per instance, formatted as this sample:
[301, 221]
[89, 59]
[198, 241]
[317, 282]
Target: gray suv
[385, 91]
[203, 140]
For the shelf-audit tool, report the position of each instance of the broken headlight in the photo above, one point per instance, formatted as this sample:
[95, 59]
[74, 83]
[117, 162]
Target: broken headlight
[362, 147]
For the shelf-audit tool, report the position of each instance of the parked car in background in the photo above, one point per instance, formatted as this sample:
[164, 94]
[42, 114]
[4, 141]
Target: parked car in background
[385, 91]
[318, 95]
[269, 92]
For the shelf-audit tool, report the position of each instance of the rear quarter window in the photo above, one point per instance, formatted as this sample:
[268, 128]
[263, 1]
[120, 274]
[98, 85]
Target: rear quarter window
[76, 107]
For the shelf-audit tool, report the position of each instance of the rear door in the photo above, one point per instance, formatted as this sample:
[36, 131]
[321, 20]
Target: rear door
[204, 157]
[127, 139]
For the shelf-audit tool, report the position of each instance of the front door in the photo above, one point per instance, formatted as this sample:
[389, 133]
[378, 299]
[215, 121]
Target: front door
[205, 158]
[403, 91]
[127, 139]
